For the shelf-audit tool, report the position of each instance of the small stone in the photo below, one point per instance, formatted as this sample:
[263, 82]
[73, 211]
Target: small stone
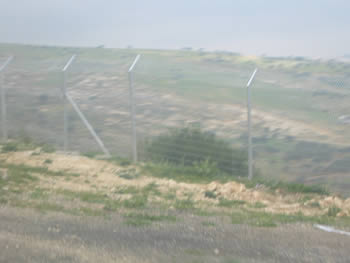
[216, 251]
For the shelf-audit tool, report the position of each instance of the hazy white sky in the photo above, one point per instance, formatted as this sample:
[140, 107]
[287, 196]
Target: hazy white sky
[317, 28]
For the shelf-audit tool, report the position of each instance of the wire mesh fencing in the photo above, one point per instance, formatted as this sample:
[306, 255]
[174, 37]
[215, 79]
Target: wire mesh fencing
[35, 102]
[190, 109]
[179, 123]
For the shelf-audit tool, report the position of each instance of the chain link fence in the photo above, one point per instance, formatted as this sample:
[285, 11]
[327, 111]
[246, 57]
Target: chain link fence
[190, 106]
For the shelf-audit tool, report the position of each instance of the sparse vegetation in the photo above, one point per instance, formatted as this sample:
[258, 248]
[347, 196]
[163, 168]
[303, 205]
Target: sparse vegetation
[89, 197]
[112, 205]
[128, 190]
[91, 154]
[17, 175]
[258, 205]
[9, 147]
[263, 219]
[207, 223]
[181, 173]
[230, 203]
[210, 194]
[34, 169]
[194, 147]
[200, 78]
[338, 166]
[140, 219]
[288, 187]
[310, 150]
[190, 175]
[47, 148]
[136, 202]
[315, 205]
[48, 161]
[39, 193]
[185, 204]
[46, 206]
[22, 190]
[120, 161]
[25, 143]
[128, 174]
[333, 211]
[300, 188]
[297, 138]
[91, 212]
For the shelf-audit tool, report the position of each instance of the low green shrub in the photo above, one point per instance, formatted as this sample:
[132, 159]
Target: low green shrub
[194, 147]
[47, 148]
[90, 154]
[210, 194]
[120, 161]
[10, 147]
[140, 219]
[333, 211]
[48, 161]
[25, 143]
[182, 173]
[206, 168]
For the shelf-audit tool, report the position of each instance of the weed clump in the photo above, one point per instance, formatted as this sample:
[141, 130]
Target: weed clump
[10, 147]
[140, 219]
[48, 161]
[210, 194]
[333, 211]
[202, 150]
[230, 203]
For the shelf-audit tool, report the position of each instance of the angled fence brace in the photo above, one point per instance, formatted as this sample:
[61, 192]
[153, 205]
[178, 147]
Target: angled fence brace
[88, 126]
[78, 111]
[65, 110]
[3, 100]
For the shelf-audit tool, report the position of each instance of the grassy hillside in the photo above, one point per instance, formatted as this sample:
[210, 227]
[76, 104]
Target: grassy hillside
[297, 103]
[50, 201]
[35, 177]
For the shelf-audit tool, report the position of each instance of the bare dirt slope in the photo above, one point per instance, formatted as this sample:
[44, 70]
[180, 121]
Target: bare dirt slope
[100, 176]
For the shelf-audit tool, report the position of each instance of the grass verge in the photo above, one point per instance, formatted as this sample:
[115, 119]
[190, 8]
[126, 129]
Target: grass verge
[190, 175]
[140, 219]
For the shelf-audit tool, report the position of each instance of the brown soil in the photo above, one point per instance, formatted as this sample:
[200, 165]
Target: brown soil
[103, 176]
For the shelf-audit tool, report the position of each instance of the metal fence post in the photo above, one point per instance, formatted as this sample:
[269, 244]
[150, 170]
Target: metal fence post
[65, 115]
[3, 100]
[249, 107]
[132, 111]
